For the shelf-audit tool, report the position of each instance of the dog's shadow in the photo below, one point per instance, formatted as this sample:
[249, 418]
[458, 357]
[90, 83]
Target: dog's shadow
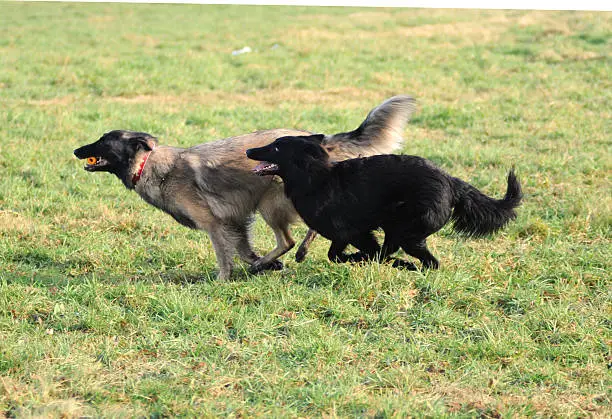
[179, 277]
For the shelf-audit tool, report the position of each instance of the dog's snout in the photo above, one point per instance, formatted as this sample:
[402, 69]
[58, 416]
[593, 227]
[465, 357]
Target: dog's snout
[250, 153]
[78, 152]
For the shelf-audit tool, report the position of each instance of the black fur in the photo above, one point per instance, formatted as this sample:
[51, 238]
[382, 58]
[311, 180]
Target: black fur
[407, 196]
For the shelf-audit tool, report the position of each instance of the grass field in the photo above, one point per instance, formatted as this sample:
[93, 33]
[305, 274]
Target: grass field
[110, 308]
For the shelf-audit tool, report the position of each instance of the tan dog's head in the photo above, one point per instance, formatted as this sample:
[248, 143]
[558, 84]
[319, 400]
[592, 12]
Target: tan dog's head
[115, 152]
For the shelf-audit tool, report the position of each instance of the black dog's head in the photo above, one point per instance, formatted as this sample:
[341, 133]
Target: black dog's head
[287, 152]
[114, 152]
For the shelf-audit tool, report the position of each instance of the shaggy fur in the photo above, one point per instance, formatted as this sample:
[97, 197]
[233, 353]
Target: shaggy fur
[211, 186]
[407, 196]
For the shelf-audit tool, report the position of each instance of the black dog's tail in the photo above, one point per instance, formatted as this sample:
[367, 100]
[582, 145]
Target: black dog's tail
[478, 215]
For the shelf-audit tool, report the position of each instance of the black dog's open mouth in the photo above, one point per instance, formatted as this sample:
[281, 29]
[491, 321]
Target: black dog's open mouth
[266, 169]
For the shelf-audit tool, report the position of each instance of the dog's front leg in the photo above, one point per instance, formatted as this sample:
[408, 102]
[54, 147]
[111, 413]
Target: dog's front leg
[367, 245]
[303, 249]
[223, 250]
[241, 241]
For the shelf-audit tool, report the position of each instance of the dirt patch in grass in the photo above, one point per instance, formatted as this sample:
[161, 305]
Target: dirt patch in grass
[101, 19]
[545, 403]
[546, 20]
[55, 101]
[142, 40]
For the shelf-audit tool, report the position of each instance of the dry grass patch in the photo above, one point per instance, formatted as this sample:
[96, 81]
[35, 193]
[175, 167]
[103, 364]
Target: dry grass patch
[12, 222]
[142, 40]
[476, 31]
[55, 101]
[333, 98]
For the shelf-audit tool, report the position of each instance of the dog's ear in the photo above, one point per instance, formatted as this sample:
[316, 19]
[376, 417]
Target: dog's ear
[316, 138]
[145, 143]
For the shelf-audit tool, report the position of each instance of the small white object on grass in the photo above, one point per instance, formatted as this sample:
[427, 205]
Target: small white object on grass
[242, 51]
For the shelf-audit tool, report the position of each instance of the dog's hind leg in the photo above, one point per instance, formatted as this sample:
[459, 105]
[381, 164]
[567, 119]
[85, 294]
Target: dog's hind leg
[284, 243]
[413, 231]
[303, 249]
[419, 250]
[391, 246]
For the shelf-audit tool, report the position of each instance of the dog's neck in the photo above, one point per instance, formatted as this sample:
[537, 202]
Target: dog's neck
[302, 179]
[139, 164]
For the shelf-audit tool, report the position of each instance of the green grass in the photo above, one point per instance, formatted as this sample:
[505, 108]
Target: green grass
[110, 308]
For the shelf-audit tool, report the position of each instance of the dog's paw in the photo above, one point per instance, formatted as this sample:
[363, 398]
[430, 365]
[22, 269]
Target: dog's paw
[403, 264]
[300, 255]
[275, 265]
[224, 276]
[255, 268]
[357, 257]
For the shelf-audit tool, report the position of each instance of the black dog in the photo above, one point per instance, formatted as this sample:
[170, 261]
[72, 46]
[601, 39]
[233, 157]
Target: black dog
[407, 196]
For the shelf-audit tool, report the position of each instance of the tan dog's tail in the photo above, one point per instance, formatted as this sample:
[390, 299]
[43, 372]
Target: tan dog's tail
[380, 133]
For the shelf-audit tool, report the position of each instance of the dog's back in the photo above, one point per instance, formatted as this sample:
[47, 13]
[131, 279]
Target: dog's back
[379, 191]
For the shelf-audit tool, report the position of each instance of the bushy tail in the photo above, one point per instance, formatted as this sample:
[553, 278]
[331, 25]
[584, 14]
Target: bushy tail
[477, 215]
[381, 132]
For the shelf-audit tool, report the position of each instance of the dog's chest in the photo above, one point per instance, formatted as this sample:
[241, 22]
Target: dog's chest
[329, 218]
[148, 191]
[160, 199]
[153, 194]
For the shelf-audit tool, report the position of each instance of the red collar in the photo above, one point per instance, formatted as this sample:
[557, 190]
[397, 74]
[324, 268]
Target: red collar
[136, 176]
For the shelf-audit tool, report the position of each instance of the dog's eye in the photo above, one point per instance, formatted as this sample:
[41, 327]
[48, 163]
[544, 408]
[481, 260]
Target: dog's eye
[276, 149]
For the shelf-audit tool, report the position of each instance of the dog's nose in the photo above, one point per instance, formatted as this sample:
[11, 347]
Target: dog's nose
[249, 153]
